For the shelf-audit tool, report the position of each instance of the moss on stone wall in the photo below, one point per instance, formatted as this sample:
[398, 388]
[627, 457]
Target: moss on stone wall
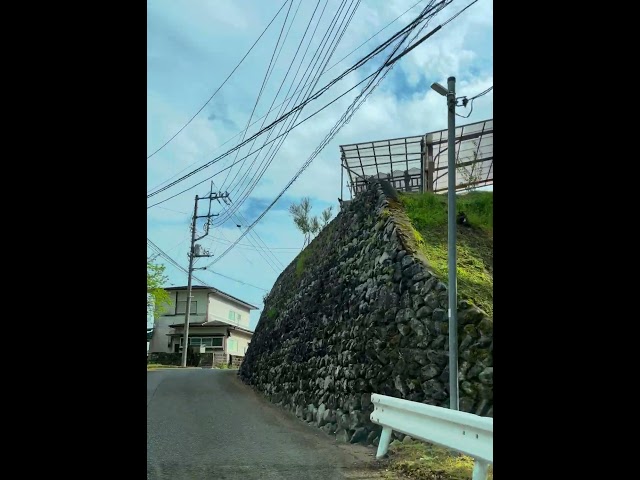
[428, 216]
[364, 312]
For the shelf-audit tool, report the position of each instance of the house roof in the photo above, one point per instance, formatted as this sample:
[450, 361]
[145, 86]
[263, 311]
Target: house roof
[214, 323]
[217, 323]
[215, 290]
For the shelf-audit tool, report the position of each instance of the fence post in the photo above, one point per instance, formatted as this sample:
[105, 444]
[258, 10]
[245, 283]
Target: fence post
[383, 444]
[430, 167]
[480, 470]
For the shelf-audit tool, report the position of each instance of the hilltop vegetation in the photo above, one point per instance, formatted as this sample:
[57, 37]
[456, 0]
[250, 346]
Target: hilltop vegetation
[428, 215]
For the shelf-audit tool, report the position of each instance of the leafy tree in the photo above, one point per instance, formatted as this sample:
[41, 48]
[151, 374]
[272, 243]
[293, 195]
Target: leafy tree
[156, 295]
[308, 225]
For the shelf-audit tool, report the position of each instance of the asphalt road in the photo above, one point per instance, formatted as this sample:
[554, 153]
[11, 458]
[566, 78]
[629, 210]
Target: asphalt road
[206, 424]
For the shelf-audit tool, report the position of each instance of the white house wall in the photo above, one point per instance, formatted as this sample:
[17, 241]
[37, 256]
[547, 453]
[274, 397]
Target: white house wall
[201, 332]
[160, 340]
[242, 342]
[219, 310]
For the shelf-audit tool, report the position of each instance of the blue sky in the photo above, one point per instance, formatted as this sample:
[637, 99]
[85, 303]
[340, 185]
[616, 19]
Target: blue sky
[191, 48]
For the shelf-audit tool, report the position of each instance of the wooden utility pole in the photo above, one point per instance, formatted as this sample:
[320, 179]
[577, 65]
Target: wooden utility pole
[193, 255]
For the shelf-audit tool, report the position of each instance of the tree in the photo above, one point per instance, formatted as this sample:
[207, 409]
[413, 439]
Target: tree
[308, 225]
[471, 173]
[156, 295]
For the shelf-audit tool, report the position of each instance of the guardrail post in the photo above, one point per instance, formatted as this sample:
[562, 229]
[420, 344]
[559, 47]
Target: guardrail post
[383, 444]
[480, 470]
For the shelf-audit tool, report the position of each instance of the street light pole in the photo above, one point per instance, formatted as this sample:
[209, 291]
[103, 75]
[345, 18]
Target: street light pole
[453, 280]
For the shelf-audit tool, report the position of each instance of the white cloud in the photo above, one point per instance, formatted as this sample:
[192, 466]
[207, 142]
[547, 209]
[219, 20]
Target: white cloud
[184, 72]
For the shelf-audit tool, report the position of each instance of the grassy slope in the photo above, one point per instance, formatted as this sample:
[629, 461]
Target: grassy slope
[421, 461]
[428, 215]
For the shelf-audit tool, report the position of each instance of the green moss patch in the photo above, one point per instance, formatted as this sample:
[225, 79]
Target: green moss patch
[428, 215]
[302, 260]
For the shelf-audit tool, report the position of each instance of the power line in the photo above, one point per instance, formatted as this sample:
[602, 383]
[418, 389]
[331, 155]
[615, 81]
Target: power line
[259, 239]
[269, 261]
[482, 93]
[247, 246]
[267, 76]
[271, 141]
[320, 47]
[241, 252]
[289, 98]
[454, 16]
[262, 254]
[470, 111]
[388, 65]
[333, 132]
[171, 260]
[322, 144]
[466, 100]
[374, 35]
[250, 183]
[225, 81]
[175, 264]
[239, 281]
[316, 95]
[285, 77]
[171, 210]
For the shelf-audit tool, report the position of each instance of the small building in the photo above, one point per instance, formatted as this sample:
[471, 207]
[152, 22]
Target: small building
[218, 324]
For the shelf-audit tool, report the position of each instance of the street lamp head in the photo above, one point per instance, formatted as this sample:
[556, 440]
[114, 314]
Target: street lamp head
[439, 88]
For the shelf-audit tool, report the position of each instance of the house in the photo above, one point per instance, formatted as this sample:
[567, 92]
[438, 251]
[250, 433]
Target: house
[218, 324]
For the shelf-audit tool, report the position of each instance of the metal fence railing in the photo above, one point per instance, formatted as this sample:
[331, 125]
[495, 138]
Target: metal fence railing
[420, 163]
[461, 431]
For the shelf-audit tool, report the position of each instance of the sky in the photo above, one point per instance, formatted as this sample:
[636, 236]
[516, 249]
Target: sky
[193, 45]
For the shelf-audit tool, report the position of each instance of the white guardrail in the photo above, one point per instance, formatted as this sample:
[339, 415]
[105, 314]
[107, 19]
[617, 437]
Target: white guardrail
[461, 431]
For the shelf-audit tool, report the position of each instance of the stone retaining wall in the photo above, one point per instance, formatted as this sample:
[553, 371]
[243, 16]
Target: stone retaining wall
[359, 312]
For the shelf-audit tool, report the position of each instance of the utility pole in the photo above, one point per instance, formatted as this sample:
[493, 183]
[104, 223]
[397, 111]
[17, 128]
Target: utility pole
[453, 274]
[193, 254]
[450, 93]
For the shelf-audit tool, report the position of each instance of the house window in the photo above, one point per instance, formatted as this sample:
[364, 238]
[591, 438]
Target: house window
[232, 315]
[181, 307]
[232, 345]
[206, 341]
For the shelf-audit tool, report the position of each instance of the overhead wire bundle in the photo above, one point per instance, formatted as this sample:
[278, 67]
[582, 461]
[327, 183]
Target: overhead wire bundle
[159, 252]
[466, 100]
[266, 78]
[295, 109]
[247, 183]
[377, 76]
[427, 14]
[288, 97]
[221, 85]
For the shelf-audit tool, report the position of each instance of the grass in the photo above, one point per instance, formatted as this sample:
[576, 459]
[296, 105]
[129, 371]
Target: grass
[430, 210]
[428, 215]
[421, 461]
[156, 366]
[300, 262]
